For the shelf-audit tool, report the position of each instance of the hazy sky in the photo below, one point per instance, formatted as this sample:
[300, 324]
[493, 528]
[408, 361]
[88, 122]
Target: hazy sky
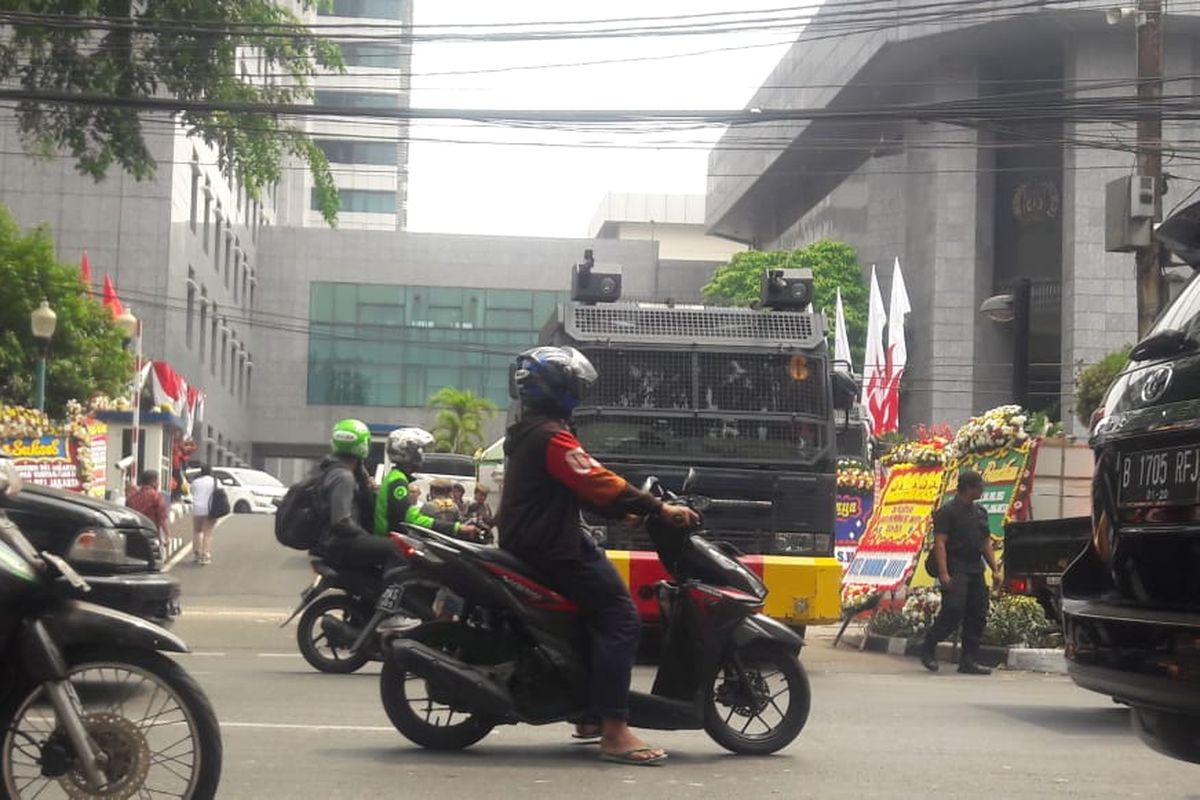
[554, 190]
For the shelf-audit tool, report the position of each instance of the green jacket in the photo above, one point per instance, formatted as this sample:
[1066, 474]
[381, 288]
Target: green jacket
[394, 507]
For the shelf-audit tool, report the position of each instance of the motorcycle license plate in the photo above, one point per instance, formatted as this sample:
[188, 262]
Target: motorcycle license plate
[390, 601]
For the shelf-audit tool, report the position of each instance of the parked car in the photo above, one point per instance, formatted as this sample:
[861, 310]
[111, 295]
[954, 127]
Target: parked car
[250, 490]
[115, 547]
[1131, 601]
[451, 466]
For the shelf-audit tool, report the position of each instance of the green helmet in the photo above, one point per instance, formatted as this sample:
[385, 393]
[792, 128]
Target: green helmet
[351, 437]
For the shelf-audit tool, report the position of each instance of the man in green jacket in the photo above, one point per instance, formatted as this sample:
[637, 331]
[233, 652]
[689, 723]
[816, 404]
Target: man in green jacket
[394, 505]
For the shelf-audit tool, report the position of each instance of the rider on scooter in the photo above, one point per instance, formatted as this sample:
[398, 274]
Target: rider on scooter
[394, 505]
[347, 493]
[549, 478]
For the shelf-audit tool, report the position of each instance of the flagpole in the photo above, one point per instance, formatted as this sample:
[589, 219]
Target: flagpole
[137, 401]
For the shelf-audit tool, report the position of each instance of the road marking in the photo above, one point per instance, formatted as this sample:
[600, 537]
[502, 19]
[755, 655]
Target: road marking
[205, 654]
[278, 655]
[283, 726]
[260, 613]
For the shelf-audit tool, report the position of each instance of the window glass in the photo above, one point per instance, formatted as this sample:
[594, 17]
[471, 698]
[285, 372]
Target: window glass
[365, 201]
[382, 9]
[340, 99]
[372, 54]
[348, 151]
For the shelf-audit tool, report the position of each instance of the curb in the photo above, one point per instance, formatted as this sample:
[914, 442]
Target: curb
[1030, 659]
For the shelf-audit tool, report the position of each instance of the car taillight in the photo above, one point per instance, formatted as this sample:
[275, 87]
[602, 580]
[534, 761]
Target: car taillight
[1017, 585]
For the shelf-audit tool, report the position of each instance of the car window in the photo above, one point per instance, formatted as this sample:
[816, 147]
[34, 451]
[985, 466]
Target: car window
[1184, 313]
[255, 477]
[225, 478]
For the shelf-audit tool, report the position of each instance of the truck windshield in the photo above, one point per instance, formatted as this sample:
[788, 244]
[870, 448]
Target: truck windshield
[715, 405]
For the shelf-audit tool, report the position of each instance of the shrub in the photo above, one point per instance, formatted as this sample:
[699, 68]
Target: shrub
[1092, 382]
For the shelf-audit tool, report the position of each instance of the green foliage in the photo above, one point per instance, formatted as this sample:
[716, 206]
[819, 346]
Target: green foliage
[189, 50]
[834, 265]
[1092, 382]
[86, 353]
[458, 426]
[1018, 620]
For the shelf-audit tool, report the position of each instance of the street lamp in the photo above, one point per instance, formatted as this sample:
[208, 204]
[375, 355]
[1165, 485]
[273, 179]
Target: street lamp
[1015, 308]
[131, 326]
[42, 322]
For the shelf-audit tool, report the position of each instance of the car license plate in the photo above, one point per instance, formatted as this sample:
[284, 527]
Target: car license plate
[390, 601]
[1053, 580]
[1166, 477]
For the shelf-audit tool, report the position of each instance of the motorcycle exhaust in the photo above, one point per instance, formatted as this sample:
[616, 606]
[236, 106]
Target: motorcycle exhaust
[339, 633]
[457, 684]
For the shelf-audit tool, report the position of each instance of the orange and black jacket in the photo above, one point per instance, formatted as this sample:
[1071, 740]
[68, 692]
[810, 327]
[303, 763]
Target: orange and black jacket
[548, 479]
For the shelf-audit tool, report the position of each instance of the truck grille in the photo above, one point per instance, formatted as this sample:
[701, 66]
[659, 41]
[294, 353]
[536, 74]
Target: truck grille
[634, 322]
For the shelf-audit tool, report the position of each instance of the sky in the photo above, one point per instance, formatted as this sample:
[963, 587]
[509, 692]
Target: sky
[543, 188]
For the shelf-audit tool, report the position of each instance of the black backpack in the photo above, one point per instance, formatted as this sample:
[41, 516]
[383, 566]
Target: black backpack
[301, 518]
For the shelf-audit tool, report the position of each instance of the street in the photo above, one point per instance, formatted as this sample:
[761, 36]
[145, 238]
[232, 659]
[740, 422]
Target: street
[880, 725]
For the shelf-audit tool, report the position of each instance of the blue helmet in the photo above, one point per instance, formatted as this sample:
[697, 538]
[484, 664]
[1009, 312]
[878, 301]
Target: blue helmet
[553, 378]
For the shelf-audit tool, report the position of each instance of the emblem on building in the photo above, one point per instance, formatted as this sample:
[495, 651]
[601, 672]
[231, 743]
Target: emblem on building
[1036, 201]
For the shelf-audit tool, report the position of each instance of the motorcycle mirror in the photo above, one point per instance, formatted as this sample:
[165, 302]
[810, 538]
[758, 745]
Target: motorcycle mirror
[689, 481]
[650, 484]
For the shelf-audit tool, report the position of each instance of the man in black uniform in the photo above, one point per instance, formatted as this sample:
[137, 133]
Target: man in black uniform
[961, 543]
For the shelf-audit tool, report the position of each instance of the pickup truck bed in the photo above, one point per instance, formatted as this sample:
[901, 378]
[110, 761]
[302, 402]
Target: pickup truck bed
[1036, 554]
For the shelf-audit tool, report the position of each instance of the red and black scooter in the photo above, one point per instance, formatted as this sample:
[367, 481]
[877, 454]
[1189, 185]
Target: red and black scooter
[517, 653]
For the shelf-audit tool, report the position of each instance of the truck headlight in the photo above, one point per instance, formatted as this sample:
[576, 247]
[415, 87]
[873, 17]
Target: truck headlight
[98, 546]
[803, 544]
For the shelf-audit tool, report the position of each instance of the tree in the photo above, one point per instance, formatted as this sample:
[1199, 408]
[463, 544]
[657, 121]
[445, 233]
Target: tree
[86, 353]
[458, 426]
[106, 56]
[1092, 382]
[834, 265]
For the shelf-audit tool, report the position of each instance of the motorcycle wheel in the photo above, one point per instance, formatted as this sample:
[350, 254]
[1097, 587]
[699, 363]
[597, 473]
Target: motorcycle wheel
[764, 712]
[153, 722]
[318, 651]
[409, 703]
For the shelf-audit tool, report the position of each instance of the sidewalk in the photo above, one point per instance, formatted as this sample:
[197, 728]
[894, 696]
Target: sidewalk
[181, 531]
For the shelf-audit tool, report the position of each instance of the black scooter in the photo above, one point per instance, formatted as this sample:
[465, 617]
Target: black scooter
[517, 653]
[89, 705]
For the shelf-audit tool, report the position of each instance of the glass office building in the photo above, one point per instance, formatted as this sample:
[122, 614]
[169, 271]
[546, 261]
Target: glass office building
[392, 345]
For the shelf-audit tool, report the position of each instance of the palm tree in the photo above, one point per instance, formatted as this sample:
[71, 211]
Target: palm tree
[458, 426]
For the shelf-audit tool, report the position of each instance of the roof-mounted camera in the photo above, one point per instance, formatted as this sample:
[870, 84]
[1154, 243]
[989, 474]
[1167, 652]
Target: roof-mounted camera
[591, 284]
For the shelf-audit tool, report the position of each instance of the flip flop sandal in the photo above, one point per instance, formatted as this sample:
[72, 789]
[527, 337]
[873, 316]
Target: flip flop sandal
[586, 738]
[627, 758]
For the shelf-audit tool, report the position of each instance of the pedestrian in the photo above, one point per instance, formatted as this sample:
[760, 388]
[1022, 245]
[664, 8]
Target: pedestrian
[441, 505]
[962, 543]
[459, 495]
[147, 499]
[203, 523]
[479, 509]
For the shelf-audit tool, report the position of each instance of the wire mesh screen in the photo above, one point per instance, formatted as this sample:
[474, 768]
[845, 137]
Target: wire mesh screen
[759, 382]
[701, 437]
[643, 323]
[642, 379]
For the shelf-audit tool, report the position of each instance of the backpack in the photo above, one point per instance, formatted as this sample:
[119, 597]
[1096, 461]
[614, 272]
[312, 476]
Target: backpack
[218, 506]
[300, 518]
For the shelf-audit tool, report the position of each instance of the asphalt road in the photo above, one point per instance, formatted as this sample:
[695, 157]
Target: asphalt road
[880, 725]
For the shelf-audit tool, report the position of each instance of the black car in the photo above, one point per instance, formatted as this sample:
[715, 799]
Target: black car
[1131, 601]
[115, 547]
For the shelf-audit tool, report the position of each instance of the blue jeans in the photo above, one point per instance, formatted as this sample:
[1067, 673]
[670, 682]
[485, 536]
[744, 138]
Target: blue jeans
[614, 628]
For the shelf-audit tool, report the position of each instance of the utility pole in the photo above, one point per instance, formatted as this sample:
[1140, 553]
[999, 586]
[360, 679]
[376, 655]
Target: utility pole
[1150, 292]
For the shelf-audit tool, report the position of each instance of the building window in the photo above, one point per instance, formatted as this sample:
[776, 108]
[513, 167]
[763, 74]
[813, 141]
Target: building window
[207, 210]
[253, 283]
[217, 242]
[191, 307]
[249, 377]
[242, 377]
[372, 54]
[336, 99]
[365, 201]
[237, 275]
[347, 151]
[212, 367]
[195, 207]
[380, 9]
[245, 283]
[228, 254]
[208, 444]
[203, 322]
[224, 354]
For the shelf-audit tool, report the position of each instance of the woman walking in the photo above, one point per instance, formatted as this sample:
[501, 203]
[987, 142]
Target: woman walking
[203, 523]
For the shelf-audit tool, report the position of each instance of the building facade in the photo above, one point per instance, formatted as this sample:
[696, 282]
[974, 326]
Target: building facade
[968, 209]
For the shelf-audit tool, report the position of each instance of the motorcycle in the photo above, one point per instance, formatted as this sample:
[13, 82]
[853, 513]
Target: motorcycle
[517, 653]
[343, 610]
[89, 705]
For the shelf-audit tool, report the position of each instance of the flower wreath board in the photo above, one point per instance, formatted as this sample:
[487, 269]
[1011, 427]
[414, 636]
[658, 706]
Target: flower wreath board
[888, 550]
[855, 500]
[1007, 473]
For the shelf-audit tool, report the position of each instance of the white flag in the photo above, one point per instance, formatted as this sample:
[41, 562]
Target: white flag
[897, 311]
[841, 340]
[875, 364]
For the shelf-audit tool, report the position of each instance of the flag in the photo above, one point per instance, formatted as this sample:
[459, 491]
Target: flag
[897, 352]
[110, 297]
[875, 364]
[85, 272]
[841, 339]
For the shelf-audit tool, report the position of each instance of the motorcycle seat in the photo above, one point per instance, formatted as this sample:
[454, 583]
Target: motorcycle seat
[495, 555]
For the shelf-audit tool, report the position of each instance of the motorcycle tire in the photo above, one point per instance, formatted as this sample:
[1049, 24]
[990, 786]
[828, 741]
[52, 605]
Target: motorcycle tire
[309, 634]
[394, 692]
[126, 737]
[727, 723]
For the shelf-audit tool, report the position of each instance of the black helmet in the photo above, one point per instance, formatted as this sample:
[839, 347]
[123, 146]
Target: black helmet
[553, 378]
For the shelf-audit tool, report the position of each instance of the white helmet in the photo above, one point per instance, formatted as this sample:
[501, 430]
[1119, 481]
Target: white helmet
[407, 445]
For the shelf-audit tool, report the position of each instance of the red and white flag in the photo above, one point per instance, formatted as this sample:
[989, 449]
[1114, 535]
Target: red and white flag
[875, 363]
[85, 273]
[897, 352]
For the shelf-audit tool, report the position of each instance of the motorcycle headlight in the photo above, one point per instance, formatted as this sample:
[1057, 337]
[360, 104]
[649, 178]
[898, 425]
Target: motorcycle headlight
[98, 546]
